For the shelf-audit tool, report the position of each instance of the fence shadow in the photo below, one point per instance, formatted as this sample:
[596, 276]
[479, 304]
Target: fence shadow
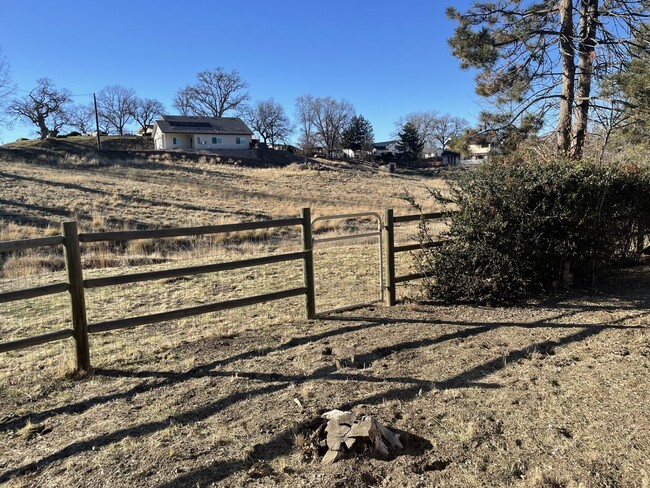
[281, 444]
[170, 378]
[405, 389]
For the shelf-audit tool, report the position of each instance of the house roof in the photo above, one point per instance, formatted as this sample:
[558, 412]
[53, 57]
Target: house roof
[186, 124]
[381, 145]
[482, 139]
[449, 153]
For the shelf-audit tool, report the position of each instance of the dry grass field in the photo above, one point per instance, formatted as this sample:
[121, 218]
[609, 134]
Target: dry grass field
[550, 393]
[158, 191]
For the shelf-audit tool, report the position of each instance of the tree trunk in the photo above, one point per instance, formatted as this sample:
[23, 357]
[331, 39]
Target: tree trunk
[44, 131]
[567, 51]
[586, 56]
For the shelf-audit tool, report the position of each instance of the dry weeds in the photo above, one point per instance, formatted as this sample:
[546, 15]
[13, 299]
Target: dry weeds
[543, 395]
[546, 394]
[35, 198]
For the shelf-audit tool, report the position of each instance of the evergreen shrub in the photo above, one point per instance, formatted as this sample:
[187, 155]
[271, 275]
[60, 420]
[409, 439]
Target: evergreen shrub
[524, 228]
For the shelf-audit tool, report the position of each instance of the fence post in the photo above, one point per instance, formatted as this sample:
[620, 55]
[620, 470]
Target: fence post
[389, 258]
[308, 263]
[72, 256]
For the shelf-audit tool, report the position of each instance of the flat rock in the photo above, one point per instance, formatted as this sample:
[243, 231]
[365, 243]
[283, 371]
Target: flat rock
[332, 456]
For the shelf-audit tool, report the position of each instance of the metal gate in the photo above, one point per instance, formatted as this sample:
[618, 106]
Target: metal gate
[377, 233]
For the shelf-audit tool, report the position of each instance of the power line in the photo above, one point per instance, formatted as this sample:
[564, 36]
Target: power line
[71, 95]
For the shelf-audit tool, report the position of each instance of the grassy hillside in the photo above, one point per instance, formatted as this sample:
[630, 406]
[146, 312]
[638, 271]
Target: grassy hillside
[540, 395]
[45, 182]
[119, 149]
[77, 144]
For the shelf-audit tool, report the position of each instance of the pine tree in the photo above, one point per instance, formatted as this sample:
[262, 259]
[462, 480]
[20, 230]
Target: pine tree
[410, 145]
[545, 59]
[358, 136]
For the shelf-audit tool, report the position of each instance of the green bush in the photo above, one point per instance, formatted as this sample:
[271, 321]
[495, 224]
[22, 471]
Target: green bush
[526, 228]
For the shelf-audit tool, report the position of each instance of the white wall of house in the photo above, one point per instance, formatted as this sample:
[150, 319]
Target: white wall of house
[198, 142]
[223, 141]
[390, 148]
[480, 151]
[158, 139]
[170, 140]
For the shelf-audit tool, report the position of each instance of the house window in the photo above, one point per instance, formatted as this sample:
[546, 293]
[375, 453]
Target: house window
[216, 140]
[238, 140]
[198, 140]
[174, 142]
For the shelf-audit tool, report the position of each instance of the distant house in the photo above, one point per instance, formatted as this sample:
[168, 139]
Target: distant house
[146, 131]
[429, 151]
[192, 132]
[449, 158]
[482, 148]
[386, 147]
[356, 154]
[283, 147]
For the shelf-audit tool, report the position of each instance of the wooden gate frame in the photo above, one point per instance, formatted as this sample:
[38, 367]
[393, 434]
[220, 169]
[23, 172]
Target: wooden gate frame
[378, 233]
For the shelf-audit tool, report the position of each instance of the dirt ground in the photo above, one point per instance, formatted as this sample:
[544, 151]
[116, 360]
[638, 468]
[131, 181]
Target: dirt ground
[552, 393]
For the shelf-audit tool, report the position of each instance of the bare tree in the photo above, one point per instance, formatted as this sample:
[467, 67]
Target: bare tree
[215, 93]
[183, 102]
[146, 110]
[423, 122]
[268, 119]
[81, 118]
[331, 117]
[447, 128]
[116, 105]
[44, 106]
[434, 128]
[305, 108]
[608, 117]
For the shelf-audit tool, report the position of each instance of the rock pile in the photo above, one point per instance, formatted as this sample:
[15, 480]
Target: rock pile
[346, 432]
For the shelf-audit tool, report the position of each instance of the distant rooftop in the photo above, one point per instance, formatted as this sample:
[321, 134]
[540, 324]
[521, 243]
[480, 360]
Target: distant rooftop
[202, 125]
[384, 144]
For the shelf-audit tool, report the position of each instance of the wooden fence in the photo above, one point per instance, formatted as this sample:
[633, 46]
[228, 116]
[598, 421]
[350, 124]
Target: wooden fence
[76, 285]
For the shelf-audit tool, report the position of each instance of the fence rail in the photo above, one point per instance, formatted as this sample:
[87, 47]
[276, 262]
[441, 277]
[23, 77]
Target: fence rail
[192, 270]
[418, 217]
[22, 244]
[192, 311]
[131, 235]
[35, 340]
[39, 291]
[76, 285]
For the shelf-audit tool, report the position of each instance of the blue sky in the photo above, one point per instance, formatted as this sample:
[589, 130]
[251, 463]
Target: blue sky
[386, 58]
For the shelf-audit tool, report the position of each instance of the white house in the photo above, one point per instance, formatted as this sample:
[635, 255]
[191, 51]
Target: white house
[481, 148]
[191, 132]
[430, 151]
[144, 131]
[387, 147]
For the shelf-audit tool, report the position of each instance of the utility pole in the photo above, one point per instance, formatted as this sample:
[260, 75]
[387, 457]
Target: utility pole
[99, 142]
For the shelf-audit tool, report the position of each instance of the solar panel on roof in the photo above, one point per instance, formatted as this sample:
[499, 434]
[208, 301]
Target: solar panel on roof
[190, 124]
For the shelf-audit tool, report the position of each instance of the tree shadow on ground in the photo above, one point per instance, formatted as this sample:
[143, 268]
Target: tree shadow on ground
[170, 377]
[404, 389]
[281, 444]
